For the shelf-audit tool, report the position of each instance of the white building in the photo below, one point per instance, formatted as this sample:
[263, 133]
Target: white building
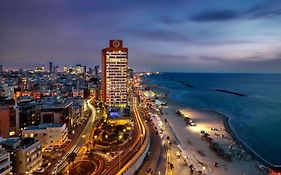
[25, 154]
[50, 134]
[5, 162]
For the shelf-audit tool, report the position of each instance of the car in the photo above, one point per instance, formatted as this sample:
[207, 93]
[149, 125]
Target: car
[192, 124]
[214, 129]
[262, 167]
[49, 149]
[216, 164]
[40, 170]
[178, 154]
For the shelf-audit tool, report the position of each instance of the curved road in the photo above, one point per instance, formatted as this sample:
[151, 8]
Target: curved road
[129, 155]
[80, 141]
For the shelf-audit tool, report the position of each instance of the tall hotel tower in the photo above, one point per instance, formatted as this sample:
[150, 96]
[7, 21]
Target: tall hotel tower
[114, 73]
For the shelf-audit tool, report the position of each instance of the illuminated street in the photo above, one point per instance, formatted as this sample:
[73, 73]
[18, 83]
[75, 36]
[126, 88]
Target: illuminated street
[96, 87]
[79, 143]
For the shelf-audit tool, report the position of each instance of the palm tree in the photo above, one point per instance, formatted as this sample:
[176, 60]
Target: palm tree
[91, 155]
[71, 157]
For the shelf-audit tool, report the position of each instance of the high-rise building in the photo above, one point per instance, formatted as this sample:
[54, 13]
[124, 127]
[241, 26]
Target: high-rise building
[1, 69]
[115, 73]
[50, 67]
[85, 69]
[65, 70]
[43, 67]
[97, 67]
[55, 69]
[79, 69]
[9, 120]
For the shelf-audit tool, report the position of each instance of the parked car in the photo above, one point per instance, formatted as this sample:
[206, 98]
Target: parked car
[40, 170]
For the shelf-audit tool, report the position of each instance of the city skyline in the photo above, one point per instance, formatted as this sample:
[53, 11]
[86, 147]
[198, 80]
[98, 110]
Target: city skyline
[169, 36]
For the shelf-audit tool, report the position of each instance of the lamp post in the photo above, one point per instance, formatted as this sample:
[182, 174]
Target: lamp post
[119, 161]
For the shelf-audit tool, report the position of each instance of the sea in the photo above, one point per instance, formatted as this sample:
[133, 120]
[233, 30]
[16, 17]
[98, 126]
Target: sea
[254, 118]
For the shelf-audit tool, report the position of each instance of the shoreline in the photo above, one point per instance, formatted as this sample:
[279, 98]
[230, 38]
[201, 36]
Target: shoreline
[235, 137]
[225, 118]
[231, 132]
[189, 138]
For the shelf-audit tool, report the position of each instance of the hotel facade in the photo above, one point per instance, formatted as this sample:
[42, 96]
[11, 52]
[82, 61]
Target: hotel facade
[115, 74]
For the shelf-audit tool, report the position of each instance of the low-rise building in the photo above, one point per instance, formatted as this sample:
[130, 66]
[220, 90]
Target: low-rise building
[5, 162]
[55, 111]
[25, 154]
[119, 116]
[78, 93]
[8, 90]
[50, 134]
[27, 111]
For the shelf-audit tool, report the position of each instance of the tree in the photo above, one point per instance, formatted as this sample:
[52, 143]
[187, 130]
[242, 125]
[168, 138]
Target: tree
[91, 155]
[71, 157]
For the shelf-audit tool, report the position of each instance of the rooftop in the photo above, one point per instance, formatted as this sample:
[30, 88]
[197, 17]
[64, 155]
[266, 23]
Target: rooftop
[2, 151]
[10, 141]
[45, 126]
[16, 142]
[54, 102]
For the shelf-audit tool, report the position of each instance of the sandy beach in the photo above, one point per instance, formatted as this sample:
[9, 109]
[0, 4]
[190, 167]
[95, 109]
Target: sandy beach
[228, 157]
[211, 122]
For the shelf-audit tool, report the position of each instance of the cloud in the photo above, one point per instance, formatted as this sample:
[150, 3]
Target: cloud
[213, 59]
[173, 20]
[159, 35]
[272, 9]
[264, 10]
[270, 66]
[215, 15]
[171, 57]
[71, 31]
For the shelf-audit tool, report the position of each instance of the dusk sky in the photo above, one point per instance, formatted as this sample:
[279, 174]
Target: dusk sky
[162, 35]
